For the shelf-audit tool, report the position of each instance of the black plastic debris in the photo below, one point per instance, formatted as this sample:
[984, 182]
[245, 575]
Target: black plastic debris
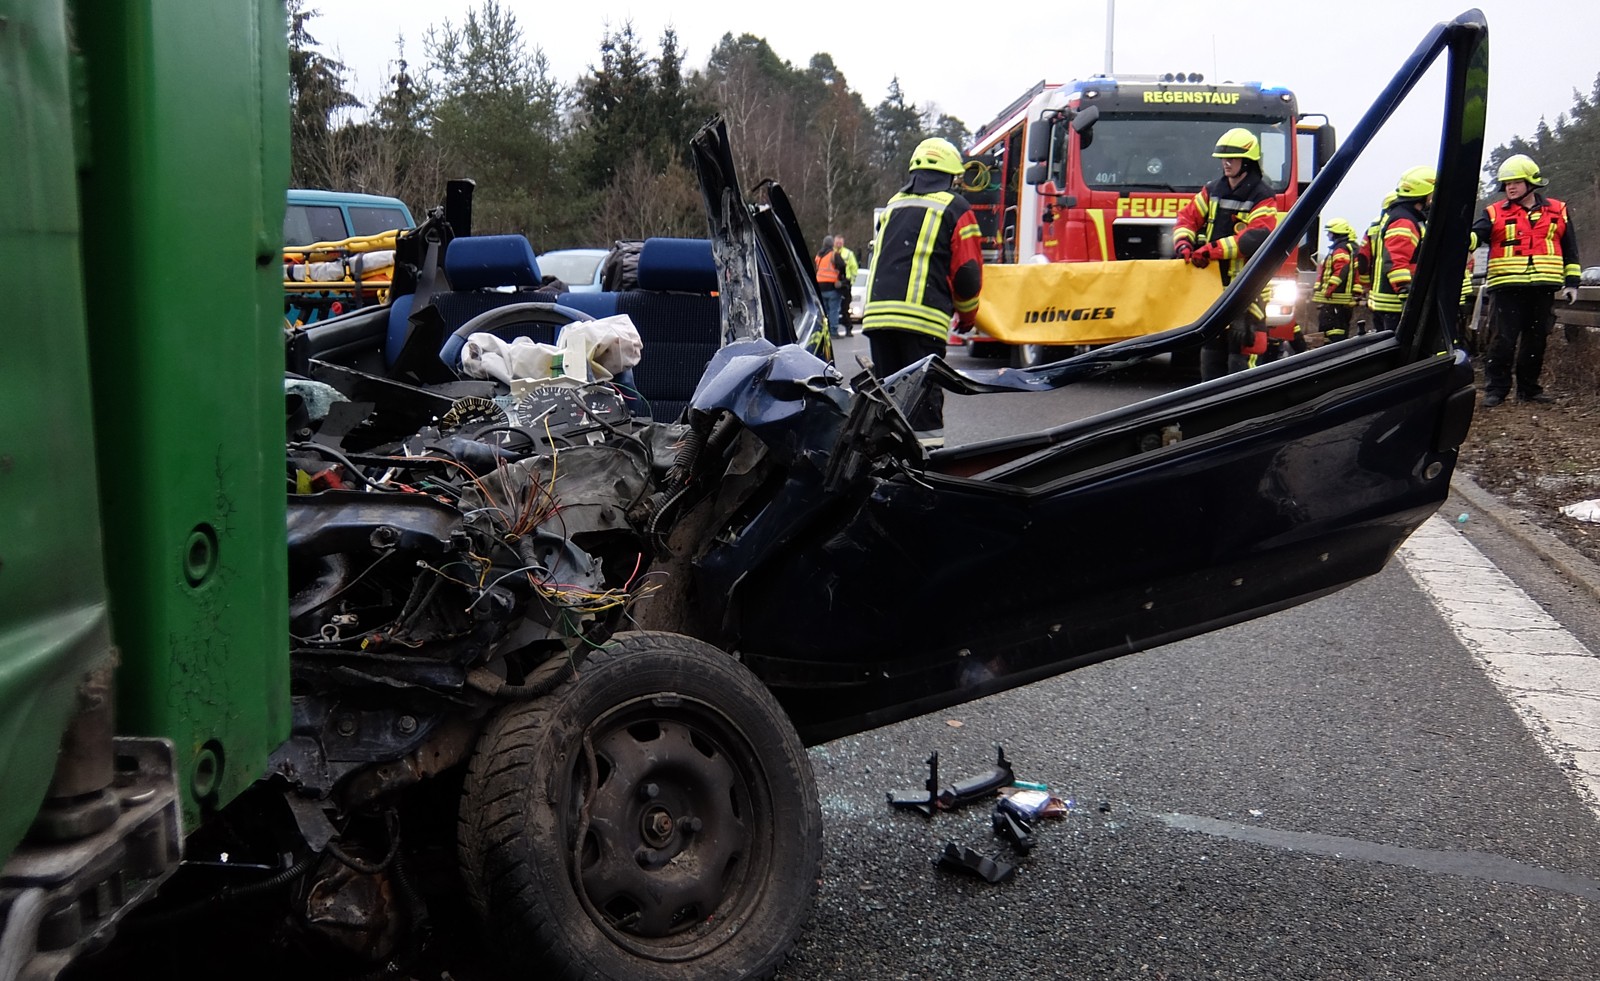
[1013, 829]
[925, 802]
[981, 787]
[959, 794]
[960, 858]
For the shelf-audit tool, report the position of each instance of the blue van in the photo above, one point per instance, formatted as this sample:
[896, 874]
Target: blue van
[332, 216]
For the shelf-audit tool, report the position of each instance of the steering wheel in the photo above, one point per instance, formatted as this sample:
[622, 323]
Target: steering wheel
[503, 321]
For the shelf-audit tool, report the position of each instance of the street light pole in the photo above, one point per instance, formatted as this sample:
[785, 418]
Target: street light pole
[1111, 27]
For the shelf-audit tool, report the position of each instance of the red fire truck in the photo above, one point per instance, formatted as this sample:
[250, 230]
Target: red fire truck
[1098, 168]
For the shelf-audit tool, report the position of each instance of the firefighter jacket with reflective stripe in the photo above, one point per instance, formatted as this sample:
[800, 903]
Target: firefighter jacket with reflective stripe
[1236, 219]
[851, 264]
[1336, 284]
[1364, 256]
[829, 268]
[1528, 246]
[1394, 255]
[927, 265]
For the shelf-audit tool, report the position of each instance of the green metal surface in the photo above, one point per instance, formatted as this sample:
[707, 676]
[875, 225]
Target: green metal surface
[184, 198]
[52, 585]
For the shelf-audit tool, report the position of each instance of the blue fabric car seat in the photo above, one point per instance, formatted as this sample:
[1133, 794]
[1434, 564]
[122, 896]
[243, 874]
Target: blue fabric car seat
[399, 327]
[476, 269]
[677, 314]
[479, 268]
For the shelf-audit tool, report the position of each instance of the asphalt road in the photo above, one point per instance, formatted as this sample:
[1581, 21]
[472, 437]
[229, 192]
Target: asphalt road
[1335, 791]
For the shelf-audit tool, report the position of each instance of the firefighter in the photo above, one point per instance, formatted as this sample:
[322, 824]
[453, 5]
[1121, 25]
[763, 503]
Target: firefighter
[1533, 258]
[1394, 249]
[1227, 221]
[849, 266]
[829, 268]
[1364, 265]
[927, 268]
[1336, 290]
[1464, 338]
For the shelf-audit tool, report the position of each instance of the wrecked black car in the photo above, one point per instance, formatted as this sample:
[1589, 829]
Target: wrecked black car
[624, 609]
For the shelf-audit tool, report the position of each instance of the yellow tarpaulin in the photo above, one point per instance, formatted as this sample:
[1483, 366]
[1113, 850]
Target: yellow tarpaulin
[1092, 302]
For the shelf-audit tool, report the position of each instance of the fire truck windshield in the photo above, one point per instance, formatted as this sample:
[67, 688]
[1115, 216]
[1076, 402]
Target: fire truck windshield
[1172, 153]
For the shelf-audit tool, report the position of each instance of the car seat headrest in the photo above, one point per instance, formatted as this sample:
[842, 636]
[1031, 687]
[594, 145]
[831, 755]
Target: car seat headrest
[680, 265]
[486, 261]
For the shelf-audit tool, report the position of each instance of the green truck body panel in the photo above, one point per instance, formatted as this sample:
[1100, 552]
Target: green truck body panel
[188, 107]
[179, 351]
[53, 625]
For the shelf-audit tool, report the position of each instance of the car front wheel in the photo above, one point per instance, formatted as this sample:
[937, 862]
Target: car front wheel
[656, 817]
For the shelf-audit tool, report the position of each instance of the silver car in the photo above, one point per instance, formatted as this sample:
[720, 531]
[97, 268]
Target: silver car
[858, 295]
[578, 268]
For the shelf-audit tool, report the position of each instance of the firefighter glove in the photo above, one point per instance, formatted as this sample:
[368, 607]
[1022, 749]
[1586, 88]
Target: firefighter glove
[1241, 335]
[1182, 250]
[1207, 252]
[1569, 294]
[1199, 258]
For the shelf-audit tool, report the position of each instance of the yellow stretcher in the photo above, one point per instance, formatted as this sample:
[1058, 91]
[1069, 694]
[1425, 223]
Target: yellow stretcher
[325, 277]
[328, 251]
[1092, 302]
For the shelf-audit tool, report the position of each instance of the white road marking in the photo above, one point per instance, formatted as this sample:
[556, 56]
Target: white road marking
[1550, 678]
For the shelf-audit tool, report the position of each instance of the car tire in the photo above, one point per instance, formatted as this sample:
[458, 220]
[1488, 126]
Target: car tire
[576, 837]
[1026, 355]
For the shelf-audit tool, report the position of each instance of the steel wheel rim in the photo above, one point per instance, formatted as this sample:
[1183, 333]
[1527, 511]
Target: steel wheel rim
[652, 881]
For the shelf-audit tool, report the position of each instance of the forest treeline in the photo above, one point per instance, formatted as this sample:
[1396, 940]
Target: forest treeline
[606, 157]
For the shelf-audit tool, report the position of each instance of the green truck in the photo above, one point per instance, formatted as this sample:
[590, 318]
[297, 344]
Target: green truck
[577, 652]
[142, 522]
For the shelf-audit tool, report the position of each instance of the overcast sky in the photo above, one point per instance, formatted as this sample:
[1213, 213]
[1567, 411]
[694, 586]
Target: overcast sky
[1336, 55]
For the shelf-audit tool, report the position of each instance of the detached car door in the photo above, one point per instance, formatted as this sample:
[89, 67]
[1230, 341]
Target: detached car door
[914, 582]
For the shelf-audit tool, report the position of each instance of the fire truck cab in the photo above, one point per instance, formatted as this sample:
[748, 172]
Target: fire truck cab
[1097, 169]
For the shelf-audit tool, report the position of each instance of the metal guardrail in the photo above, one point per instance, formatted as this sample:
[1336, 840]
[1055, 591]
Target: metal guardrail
[1585, 312]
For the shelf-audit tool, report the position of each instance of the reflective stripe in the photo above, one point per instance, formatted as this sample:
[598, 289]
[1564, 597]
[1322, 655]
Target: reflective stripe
[922, 254]
[885, 314]
[1097, 218]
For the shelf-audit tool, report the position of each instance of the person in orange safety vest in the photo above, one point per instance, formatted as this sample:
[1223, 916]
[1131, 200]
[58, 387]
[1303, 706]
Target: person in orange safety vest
[830, 272]
[1533, 258]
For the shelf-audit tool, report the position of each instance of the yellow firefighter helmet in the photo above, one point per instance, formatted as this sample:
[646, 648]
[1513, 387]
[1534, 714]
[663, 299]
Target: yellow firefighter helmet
[1416, 183]
[1520, 167]
[938, 154]
[1238, 142]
